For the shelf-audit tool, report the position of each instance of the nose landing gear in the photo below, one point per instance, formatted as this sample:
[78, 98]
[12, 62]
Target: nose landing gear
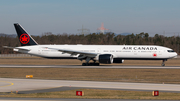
[163, 63]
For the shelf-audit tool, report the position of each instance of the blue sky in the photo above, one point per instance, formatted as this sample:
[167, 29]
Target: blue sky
[66, 16]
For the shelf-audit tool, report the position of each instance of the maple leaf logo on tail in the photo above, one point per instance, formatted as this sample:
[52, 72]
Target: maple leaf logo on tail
[24, 38]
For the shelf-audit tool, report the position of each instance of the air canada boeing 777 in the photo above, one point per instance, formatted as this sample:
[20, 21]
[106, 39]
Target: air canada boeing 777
[105, 54]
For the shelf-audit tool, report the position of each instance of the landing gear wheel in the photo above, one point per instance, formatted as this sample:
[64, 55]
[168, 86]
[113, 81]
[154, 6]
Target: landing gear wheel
[162, 64]
[83, 64]
[96, 64]
[90, 64]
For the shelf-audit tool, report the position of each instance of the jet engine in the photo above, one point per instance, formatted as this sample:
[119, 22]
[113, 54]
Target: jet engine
[106, 58]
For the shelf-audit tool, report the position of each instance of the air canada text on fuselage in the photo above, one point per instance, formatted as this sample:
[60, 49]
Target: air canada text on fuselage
[139, 48]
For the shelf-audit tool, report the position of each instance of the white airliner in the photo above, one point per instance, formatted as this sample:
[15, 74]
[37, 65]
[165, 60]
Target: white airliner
[105, 54]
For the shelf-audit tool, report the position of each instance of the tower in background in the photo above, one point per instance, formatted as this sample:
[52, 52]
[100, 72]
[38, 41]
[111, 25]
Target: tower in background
[84, 31]
[102, 29]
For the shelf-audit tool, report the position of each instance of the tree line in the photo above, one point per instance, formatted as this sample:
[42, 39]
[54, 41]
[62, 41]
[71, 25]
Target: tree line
[95, 39]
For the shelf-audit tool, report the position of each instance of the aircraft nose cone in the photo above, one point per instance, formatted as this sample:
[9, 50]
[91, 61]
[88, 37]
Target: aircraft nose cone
[175, 55]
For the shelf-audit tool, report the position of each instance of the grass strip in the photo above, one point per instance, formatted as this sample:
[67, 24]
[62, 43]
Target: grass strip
[165, 76]
[100, 94]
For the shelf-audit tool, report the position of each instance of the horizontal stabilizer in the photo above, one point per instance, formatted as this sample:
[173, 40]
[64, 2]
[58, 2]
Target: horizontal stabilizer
[24, 49]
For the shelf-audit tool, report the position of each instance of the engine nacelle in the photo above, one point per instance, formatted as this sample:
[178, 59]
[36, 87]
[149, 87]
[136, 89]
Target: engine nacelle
[118, 60]
[106, 58]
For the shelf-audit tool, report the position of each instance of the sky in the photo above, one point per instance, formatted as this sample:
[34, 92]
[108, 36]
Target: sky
[67, 16]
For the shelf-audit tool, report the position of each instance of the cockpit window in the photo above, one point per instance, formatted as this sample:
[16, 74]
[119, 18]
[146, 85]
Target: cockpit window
[170, 50]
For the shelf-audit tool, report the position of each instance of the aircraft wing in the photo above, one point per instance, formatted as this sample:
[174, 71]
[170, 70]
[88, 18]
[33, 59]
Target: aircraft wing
[74, 52]
[24, 49]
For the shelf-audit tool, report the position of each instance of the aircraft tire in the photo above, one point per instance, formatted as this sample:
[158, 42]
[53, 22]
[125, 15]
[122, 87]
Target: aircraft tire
[90, 64]
[96, 64]
[83, 64]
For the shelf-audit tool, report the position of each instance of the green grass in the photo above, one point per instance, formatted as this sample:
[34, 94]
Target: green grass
[96, 74]
[100, 94]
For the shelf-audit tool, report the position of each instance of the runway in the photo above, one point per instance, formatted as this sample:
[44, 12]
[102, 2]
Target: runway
[79, 66]
[10, 84]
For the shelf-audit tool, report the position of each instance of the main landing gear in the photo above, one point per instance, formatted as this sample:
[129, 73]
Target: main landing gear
[90, 64]
[163, 63]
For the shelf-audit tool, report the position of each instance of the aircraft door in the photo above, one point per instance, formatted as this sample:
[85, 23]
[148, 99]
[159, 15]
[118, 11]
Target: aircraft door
[160, 52]
[135, 53]
[39, 50]
[99, 50]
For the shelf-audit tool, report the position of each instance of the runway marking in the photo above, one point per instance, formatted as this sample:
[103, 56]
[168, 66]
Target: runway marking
[45, 88]
[10, 83]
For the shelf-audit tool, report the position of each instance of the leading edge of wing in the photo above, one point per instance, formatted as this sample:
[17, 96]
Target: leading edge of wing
[73, 52]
